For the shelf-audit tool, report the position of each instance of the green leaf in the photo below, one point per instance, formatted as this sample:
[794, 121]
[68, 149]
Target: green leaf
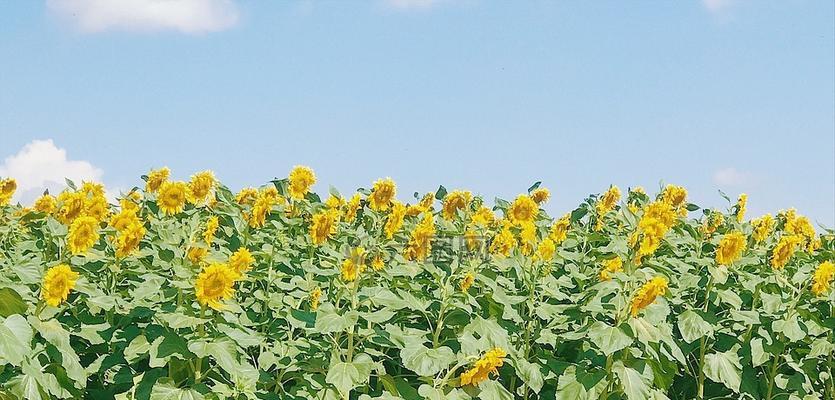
[167, 391]
[758, 355]
[329, 321]
[55, 334]
[441, 192]
[137, 348]
[724, 368]
[568, 388]
[790, 328]
[534, 186]
[15, 339]
[692, 326]
[425, 361]
[530, 374]
[607, 338]
[11, 303]
[632, 382]
[344, 376]
[492, 390]
[644, 330]
[179, 320]
[26, 387]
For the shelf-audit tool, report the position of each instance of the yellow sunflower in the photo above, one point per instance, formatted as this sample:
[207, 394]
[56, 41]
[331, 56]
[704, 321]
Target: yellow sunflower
[215, 283]
[83, 234]
[57, 284]
[172, 197]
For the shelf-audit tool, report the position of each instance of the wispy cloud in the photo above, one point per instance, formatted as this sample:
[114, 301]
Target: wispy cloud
[186, 16]
[717, 6]
[411, 4]
[729, 177]
[40, 165]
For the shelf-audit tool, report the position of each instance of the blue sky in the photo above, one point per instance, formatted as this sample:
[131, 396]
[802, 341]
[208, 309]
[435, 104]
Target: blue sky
[484, 95]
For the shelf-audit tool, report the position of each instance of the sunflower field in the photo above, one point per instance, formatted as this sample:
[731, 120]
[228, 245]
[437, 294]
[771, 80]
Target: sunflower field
[186, 290]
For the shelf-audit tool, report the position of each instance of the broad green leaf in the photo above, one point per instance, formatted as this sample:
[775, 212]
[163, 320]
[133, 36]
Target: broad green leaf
[631, 381]
[644, 330]
[167, 391]
[790, 328]
[344, 376]
[137, 348]
[607, 338]
[11, 302]
[758, 355]
[26, 387]
[179, 320]
[692, 326]
[425, 361]
[329, 321]
[492, 390]
[15, 339]
[821, 347]
[55, 334]
[724, 368]
[530, 374]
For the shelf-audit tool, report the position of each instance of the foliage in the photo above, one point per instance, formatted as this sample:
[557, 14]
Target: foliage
[188, 291]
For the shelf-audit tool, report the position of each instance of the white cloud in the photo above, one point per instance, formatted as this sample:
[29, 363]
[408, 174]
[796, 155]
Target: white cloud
[717, 6]
[411, 4]
[730, 177]
[40, 165]
[187, 16]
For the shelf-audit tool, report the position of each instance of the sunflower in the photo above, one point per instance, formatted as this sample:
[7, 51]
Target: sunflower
[241, 261]
[246, 195]
[354, 265]
[315, 295]
[608, 201]
[211, 227]
[559, 231]
[196, 254]
[352, 207]
[215, 284]
[646, 294]
[200, 187]
[301, 179]
[741, 202]
[540, 195]
[610, 266]
[822, 279]
[454, 201]
[467, 281]
[128, 239]
[523, 209]
[7, 189]
[483, 216]
[730, 248]
[323, 226]
[503, 242]
[83, 234]
[156, 178]
[762, 227]
[70, 206]
[784, 250]
[57, 284]
[45, 204]
[172, 197]
[395, 219]
[487, 364]
[546, 249]
[377, 263]
[123, 219]
[421, 241]
[382, 194]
